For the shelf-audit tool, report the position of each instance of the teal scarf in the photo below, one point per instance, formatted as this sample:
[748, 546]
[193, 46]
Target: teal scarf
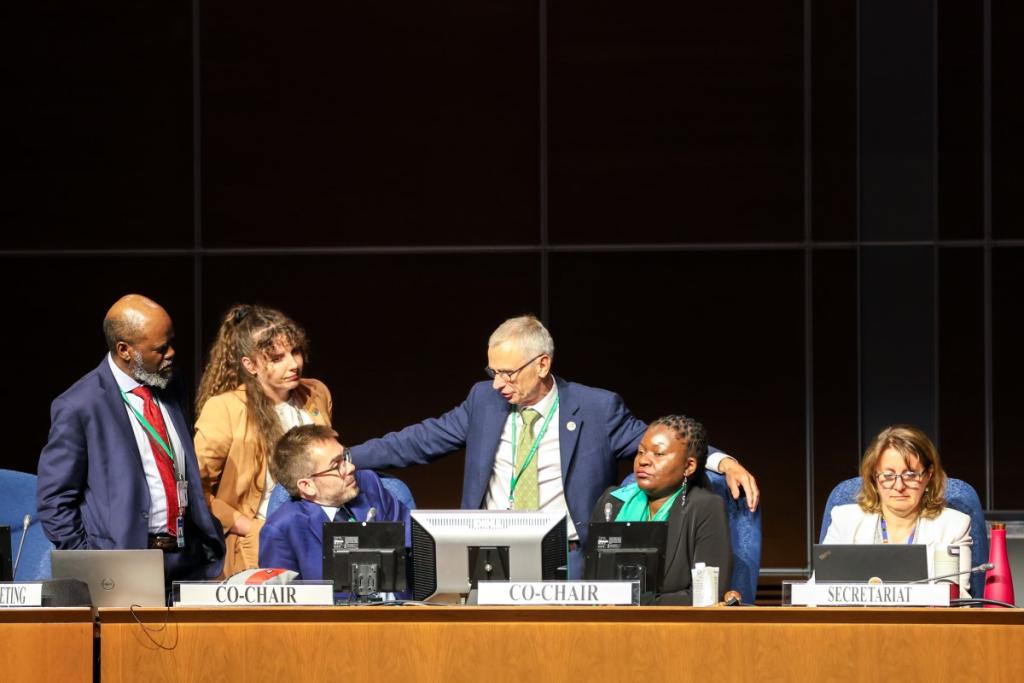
[636, 506]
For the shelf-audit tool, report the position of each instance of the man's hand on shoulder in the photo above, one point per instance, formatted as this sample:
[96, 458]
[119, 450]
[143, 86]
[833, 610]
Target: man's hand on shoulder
[737, 477]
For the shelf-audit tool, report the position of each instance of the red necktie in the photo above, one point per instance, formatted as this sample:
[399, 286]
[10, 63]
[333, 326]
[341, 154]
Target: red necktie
[151, 411]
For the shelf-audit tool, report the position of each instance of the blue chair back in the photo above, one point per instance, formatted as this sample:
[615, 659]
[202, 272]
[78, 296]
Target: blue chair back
[398, 489]
[396, 486]
[17, 499]
[278, 495]
[960, 496]
[744, 535]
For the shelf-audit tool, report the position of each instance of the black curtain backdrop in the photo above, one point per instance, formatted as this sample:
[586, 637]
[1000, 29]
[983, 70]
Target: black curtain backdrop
[701, 199]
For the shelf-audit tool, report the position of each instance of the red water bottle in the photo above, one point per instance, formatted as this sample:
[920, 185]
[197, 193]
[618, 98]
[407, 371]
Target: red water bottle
[998, 580]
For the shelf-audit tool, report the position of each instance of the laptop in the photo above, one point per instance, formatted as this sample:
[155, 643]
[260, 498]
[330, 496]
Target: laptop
[116, 578]
[860, 563]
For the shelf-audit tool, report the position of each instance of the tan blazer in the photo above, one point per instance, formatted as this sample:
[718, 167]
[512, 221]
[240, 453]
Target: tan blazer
[233, 480]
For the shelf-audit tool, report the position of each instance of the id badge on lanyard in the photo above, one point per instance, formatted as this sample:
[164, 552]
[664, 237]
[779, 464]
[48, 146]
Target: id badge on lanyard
[182, 486]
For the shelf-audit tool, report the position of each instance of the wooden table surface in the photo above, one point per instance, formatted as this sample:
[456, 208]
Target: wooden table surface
[52, 644]
[561, 644]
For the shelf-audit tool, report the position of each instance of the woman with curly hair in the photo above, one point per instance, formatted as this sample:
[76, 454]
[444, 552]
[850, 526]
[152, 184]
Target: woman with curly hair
[252, 392]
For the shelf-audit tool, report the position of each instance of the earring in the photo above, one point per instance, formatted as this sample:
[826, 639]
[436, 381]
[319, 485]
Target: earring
[682, 492]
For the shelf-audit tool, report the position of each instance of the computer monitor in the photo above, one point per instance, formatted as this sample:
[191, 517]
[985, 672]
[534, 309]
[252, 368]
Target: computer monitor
[452, 550]
[6, 572]
[364, 558]
[627, 551]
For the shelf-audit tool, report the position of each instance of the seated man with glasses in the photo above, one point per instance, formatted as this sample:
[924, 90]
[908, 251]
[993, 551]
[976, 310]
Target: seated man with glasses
[533, 441]
[902, 498]
[325, 486]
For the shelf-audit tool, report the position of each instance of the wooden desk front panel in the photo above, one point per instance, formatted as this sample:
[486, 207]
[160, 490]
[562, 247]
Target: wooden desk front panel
[467, 644]
[51, 644]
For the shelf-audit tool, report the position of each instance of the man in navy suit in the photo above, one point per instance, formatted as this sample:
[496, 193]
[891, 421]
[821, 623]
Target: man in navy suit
[324, 486]
[119, 470]
[533, 440]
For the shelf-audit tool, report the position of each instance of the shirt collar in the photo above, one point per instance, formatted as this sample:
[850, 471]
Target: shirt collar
[544, 405]
[125, 381]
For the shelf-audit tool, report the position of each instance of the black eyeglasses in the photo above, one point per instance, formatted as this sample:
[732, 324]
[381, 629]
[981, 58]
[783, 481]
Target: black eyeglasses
[910, 479]
[336, 467]
[509, 375]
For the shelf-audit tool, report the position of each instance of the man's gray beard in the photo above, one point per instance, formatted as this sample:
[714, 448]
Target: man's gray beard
[143, 376]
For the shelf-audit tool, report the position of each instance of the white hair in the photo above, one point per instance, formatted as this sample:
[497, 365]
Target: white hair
[528, 333]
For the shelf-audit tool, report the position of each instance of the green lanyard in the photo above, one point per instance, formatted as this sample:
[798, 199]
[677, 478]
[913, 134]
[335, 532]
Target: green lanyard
[533, 449]
[149, 428]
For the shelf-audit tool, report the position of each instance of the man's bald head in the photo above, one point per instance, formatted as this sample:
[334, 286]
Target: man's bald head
[139, 333]
[127, 317]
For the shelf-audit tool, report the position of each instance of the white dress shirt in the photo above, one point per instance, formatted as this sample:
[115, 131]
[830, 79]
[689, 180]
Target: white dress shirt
[157, 496]
[549, 463]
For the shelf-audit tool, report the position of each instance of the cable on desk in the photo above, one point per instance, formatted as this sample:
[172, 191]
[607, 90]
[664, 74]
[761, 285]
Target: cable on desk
[149, 631]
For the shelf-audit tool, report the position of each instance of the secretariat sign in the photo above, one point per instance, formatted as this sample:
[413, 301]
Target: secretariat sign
[556, 592]
[257, 595]
[863, 594]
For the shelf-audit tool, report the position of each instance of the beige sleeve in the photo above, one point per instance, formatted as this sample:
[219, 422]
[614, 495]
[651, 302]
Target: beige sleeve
[213, 441]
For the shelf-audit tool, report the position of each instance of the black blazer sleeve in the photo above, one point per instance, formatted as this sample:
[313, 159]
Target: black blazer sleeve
[704, 538]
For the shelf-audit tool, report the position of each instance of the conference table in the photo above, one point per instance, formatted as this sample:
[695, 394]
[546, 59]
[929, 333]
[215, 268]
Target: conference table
[52, 644]
[434, 643]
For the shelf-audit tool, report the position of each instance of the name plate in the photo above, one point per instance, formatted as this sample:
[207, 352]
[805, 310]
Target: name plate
[21, 595]
[242, 595]
[878, 595]
[556, 592]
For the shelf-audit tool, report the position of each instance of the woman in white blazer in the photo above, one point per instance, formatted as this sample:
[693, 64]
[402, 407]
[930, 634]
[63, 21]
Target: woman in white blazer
[902, 499]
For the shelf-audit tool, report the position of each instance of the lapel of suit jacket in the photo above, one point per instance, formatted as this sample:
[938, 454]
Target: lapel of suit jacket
[310, 403]
[315, 518]
[676, 517]
[926, 530]
[865, 532]
[494, 419]
[361, 504]
[112, 396]
[568, 413]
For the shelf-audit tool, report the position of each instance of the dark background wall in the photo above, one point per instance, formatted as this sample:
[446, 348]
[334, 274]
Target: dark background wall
[793, 220]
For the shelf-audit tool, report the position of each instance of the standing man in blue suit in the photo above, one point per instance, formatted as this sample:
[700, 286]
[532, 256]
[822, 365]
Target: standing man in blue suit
[533, 440]
[119, 470]
[324, 486]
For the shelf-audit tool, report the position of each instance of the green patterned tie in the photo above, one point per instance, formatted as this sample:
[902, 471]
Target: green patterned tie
[527, 494]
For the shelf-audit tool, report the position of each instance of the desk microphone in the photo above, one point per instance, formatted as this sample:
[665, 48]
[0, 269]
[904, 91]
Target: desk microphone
[21, 544]
[607, 512]
[973, 570]
[371, 514]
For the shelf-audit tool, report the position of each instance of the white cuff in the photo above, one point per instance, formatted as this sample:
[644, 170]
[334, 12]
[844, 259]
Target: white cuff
[715, 461]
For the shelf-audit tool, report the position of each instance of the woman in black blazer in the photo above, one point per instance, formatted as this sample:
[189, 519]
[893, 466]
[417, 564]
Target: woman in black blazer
[670, 486]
